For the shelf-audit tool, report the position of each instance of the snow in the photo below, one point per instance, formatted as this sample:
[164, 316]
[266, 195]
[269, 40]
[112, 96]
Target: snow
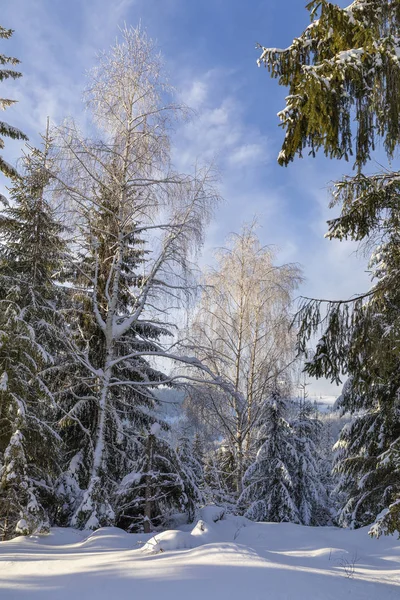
[230, 559]
[22, 526]
[155, 429]
[212, 513]
[3, 382]
[350, 55]
[131, 479]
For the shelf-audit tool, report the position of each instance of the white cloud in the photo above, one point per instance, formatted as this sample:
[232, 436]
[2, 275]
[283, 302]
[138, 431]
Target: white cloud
[196, 95]
[55, 53]
[219, 129]
[248, 154]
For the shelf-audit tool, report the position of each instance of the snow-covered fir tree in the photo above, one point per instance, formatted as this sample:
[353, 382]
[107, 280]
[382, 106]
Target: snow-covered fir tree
[131, 405]
[31, 254]
[368, 449]
[163, 484]
[194, 466]
[269, 483]
[343, 74]
[346, 60]
[28, 450]
[198, 449]
[367, 460]
[310, 493]
[332, 423]
[7, 130]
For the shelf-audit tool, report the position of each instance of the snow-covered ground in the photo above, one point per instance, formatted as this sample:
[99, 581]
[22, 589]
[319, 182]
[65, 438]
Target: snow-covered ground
[232, 559]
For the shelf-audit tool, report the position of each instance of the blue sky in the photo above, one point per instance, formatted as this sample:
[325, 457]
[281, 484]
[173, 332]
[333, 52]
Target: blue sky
[209, 50]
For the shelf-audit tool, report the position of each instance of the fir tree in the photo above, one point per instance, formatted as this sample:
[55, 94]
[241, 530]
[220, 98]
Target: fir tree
[27, 440]
[361, 340]
[7, 130]
[328, 436]
[199, 458]
[193, 466]
[30, 330]
[269, 483]
[367, 450]
[343, 74]
[199, 450]
[161, 485]
[130, 406]
[311, 495]
[345, 60]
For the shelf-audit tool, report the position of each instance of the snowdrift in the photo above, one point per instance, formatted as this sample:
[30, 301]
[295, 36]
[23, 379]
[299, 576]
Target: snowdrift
[225, 559]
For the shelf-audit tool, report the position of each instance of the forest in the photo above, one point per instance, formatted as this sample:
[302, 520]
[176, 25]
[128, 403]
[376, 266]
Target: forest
[138, 386]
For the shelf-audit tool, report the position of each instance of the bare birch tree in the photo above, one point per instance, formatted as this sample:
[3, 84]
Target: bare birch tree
[241, 331]
[137, 223]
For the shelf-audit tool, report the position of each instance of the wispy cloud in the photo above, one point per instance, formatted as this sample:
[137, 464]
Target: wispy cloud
[56, 48]
[220, 129]
[56, 43]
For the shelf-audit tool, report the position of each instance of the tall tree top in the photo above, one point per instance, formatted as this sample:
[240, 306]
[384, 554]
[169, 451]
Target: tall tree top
[7, 130]
[345, 66]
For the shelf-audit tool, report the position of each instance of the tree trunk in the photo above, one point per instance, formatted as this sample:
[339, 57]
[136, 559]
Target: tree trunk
[239, 469]
[148, 504]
